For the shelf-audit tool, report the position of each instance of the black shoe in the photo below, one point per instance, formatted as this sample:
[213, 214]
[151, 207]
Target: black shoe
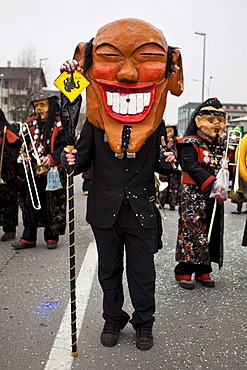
[236, 212]
[144, 338]
[51, 245]
[21, 245]
[7, 236]
[110, 334]
[187, 284]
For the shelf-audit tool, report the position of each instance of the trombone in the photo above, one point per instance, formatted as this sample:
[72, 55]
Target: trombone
[160, 186]
[2, 182]
[234, 138]
[24, 131]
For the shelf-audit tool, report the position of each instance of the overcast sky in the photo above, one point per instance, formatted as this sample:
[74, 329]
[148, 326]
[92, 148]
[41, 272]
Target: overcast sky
[54, 28]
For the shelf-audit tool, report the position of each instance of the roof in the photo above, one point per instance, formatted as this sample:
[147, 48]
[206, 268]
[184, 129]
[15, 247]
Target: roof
[240, 119]
[22, 73]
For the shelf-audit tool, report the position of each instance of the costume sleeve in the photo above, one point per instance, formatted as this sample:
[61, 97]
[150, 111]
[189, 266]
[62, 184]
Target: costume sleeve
[59, 144]
[85, 149]
[164, 168]
[188, 159]
[11, 147]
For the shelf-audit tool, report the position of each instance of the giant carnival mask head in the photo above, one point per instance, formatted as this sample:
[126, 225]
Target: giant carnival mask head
[210, 118]
[130, 68]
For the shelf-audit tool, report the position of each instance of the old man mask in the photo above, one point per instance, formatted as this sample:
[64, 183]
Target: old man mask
[130, 69]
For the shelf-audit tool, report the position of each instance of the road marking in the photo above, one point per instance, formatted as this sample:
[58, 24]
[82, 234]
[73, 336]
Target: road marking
[60, 355]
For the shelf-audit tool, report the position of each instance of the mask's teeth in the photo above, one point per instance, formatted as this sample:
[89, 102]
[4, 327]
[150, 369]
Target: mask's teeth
[109, 98]
[139, 103]
[115, 102]
[123, 104]
[132, 104]
[129, 103]
[146, 99]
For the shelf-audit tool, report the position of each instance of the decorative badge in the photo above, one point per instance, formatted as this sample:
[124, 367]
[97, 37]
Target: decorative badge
[71, 84]
[206, 158]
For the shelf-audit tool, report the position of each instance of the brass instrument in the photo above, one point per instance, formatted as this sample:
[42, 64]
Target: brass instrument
[160, 186]
[2, 182]
[234, 138]
[243, 158]
[33, 191]
[40, 168]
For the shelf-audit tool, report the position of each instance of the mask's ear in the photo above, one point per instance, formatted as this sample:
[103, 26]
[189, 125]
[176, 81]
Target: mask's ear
[176, 78]
[198, 121]
[79, 53]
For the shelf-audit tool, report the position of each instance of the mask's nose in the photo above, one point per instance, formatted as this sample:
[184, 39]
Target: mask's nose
[128, 73]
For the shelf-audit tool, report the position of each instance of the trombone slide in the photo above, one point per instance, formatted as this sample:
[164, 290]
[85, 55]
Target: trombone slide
[33, 191]
[2, 182]
[234, 138]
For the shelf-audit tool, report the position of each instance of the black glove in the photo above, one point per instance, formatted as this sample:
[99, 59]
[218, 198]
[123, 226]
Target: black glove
[162, 158]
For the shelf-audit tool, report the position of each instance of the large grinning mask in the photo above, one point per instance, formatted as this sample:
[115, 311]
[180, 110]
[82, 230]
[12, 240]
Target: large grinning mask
[130, 69]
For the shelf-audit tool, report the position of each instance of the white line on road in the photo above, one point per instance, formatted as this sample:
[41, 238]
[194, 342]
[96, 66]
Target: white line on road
[60, 355]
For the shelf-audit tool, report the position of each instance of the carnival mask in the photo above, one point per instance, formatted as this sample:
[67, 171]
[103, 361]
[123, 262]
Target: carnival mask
[211, 121]
[169, 132]
[41, 108]
[129, 81]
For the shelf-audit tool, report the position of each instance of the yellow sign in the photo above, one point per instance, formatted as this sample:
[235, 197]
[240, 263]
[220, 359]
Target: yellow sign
[71, 84]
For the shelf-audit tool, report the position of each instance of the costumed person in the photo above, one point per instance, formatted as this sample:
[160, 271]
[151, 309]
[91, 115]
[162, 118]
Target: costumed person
[244, 240]
[239, 196]
[130, 69]
[50, 177]
[199, 154]
[170, 194]
[10, 144]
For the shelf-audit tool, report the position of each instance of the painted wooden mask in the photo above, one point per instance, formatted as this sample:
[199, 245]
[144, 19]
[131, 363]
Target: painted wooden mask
[130, 68]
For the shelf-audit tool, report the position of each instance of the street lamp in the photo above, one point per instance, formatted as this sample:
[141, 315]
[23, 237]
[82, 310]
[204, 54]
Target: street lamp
[41, 60]
[207, 86]
[203, 66]
[1, 75]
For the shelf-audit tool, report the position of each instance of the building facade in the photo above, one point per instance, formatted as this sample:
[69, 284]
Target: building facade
[17, 86]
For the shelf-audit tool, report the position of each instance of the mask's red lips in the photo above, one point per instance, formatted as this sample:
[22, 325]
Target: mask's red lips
[127, 103]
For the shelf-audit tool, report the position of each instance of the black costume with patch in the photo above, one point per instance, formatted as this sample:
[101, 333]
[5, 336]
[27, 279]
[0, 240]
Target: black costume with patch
[9, 189]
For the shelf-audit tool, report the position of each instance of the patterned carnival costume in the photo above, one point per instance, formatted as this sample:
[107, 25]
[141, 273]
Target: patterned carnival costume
[199, 154]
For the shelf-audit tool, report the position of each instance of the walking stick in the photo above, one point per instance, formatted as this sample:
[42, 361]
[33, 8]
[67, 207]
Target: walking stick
[212, 220]
[69, 117]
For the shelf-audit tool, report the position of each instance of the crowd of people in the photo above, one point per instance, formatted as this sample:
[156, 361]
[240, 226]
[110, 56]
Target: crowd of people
[124, 147]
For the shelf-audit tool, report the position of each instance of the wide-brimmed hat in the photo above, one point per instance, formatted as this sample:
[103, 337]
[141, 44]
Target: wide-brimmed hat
[44, 94]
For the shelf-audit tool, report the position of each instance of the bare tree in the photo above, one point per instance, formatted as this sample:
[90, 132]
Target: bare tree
[27, 57]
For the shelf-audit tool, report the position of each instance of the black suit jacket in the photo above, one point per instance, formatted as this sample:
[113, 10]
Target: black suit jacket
[116, 180]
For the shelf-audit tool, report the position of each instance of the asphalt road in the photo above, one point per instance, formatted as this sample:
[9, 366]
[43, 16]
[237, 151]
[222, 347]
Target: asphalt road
[200, 329]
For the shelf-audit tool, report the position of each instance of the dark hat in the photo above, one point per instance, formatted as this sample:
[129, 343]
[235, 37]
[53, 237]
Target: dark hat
[44, 94]
[211, 102]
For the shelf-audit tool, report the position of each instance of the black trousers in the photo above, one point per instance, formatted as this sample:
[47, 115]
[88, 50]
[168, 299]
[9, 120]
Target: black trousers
[139, 246]
[31, 216]
[183, 268]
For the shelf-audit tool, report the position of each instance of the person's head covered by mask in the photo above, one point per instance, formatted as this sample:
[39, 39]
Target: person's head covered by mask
[130, 68]
[45, 104]
[209, 118]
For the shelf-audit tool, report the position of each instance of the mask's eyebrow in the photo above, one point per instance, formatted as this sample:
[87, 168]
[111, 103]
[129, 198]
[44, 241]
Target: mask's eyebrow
[106, 44]
[152, 44]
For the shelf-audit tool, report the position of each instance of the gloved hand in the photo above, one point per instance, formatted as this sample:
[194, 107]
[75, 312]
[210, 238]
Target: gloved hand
[68, 157]
[71, 65]
[167, 154]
